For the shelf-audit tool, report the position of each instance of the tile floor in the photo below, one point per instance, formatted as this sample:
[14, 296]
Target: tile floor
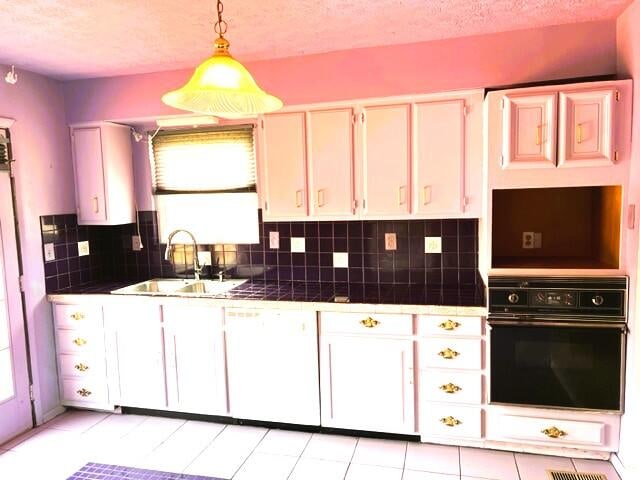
[61, 447]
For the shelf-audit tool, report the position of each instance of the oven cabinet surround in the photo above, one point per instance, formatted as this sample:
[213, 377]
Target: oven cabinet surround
[450, 377]
[396, 157]
[103, 170]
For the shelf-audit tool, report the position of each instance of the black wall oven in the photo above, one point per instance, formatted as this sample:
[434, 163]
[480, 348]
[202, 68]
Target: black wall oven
[558, 342]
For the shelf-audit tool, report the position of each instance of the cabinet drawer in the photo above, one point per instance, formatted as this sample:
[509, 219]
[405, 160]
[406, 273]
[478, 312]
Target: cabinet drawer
[450, 387]
[82, 366]
[450, 421]
[451, 353]
[547, 430]
[84, 390]
[84, 342]
[449, 325]
[78, 316]
[365, 323]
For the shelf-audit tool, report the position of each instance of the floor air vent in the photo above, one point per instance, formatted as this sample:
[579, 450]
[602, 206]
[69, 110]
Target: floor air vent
[558, 475]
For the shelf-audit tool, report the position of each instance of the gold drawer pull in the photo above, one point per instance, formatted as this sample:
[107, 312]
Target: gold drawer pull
[369, 322]
[81, 367]
[450, 388]
[80, 341]
[83, 392]
[448, 354]
[450, 421]
[554, 432]
[449, 325]
[77, 316]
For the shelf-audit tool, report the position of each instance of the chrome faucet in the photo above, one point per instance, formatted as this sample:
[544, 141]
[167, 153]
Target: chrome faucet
[197, 269]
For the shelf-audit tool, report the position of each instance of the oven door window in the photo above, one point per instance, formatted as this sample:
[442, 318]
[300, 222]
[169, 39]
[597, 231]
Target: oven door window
[556, 366]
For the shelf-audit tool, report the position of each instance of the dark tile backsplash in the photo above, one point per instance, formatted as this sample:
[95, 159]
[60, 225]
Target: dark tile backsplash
[112, 259]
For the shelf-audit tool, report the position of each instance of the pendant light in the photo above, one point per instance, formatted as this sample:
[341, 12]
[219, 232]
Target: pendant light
[221, 85]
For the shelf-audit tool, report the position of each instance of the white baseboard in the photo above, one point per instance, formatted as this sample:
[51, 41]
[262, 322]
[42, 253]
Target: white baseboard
[53, 413]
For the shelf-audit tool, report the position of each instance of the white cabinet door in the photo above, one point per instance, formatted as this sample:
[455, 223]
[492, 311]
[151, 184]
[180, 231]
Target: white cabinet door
[139, 354]
[331, 149]
[194, 349]
[386, 159]
[284, 188]
[272, 364]
[367, 384]
[89, 175]
[585, 136]
[438, 176]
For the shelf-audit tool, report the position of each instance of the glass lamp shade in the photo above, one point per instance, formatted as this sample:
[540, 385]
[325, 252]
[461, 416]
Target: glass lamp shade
[223, 87]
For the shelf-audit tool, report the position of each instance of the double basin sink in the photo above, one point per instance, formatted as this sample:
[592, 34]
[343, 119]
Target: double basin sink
[181, 287]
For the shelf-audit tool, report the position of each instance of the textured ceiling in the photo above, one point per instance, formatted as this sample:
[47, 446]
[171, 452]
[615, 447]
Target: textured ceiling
[91, 38]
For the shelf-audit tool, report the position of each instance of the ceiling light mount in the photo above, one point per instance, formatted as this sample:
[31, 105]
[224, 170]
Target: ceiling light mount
[222, 86]
[11, 77]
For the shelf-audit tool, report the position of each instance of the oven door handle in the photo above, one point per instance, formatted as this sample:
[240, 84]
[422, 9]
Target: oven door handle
[552, 322]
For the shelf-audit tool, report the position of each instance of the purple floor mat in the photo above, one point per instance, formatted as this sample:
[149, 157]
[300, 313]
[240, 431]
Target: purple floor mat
[100, 471]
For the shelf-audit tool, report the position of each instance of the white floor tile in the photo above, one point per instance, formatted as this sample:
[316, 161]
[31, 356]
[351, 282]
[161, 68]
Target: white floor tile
[49, 441]
[264, 466]
[315, 469]
[415, 475]
[373, 472]
[596, 466]
[384, 453]
[433, 458]
[77, 420]
[115, 426]
[330, 447]
[534, 467]
[20, 438]
[487, 464]
[284, 442]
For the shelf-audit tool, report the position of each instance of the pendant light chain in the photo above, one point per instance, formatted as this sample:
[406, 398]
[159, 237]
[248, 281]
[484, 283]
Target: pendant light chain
[220, 26]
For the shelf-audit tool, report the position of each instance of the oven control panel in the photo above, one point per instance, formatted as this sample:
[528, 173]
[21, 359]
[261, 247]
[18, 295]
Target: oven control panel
[554, 299]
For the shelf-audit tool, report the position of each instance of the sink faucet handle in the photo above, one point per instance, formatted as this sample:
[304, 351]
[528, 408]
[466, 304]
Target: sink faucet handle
[221, 275]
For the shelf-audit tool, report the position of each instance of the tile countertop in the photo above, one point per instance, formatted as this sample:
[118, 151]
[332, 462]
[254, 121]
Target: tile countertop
[374, 298]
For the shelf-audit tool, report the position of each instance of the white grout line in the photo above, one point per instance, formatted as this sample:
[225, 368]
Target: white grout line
[300, 455]
[207, 446]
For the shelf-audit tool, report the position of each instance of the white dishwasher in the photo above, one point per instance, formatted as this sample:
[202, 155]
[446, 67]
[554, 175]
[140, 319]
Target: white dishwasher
[272, 364]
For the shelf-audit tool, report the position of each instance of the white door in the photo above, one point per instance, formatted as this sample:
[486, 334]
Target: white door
[15, 406]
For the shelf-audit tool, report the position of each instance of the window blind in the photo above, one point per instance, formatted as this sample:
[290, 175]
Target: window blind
[220, 159]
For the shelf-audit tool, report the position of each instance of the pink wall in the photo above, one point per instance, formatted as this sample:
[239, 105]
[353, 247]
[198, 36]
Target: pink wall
[563, 51]
[628, 47]
[44, 184]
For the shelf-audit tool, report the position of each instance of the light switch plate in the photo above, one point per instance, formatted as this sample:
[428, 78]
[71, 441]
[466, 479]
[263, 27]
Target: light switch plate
[390, 241]
[83, 248]
[204, 258]
[136, 243]
[432, 244]
[49, 252]
[340, 260]
[297, 245]
[274, 240]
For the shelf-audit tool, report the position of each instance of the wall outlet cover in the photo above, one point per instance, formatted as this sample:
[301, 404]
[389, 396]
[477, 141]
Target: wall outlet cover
[136, 243]
[528, 240]
[537, 240]
[204, 258]
[432, 244]
[49, 252]
[297, 245]
[390, 241]
[83, 248]
[340, 260]
[274, 240]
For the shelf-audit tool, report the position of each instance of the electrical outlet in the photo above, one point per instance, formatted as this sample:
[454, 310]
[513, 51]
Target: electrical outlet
[204, 258]
[432, 244]
[136, 243]
[390, 242]
[528, 240]
[83, 248]
[274, 240]
[49, 252]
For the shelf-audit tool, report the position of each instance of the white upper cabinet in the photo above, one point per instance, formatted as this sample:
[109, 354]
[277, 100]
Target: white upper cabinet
[102, 162]
[331, 182]
[386, 160]
[284, 188]
[586, 128]
[529, 131]
[438, 171]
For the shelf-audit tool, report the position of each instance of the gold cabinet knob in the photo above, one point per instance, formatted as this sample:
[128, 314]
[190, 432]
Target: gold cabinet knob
[80, 341]
[448, 354]
[554, 432]
[81, 367]
[83, 392]
[369, 322]
[449, 325]
[450, 421]
[450, 388]
[77, 316]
